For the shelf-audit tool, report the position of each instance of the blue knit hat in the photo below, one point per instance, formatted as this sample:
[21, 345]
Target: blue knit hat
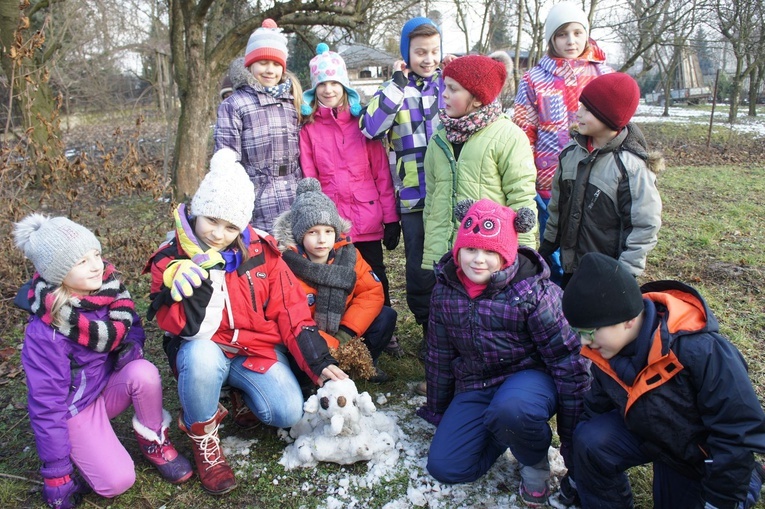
[329, 66]
[408, 27]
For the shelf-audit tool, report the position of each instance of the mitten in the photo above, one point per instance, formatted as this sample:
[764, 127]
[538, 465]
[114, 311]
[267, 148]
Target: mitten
[343, 336]
[391, 235]
[182, 276]
[431, 417]
[64, 492]
[127, 352]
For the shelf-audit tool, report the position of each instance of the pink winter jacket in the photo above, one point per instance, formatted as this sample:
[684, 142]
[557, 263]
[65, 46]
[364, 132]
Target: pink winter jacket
[353, 171]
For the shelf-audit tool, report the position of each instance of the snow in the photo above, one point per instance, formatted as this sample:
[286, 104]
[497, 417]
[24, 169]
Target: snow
[679, 115]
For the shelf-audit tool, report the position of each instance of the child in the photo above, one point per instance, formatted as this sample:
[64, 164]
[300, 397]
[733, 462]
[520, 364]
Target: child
[344, 293]
[235, 311]
[604, 195]
[353, 171]
[83, 359]
[405, 109]
[667, 389]
[548, 96]
[477, 152]
[260, 122]
[501, 360]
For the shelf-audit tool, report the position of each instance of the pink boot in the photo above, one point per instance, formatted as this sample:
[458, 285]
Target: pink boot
[160, 452]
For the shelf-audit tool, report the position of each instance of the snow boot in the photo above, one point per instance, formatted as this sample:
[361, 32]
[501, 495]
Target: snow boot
[534, 488]
[160, 452]
[215, 474]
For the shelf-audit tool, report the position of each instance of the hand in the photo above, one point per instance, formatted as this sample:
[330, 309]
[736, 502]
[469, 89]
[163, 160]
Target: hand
[127, 352]
[64, 492]
[331, 372]
[182, 276]
[391, 235]
[448, 58]
[400, 65]
[343, 336]
[432, 418]
[546, 250]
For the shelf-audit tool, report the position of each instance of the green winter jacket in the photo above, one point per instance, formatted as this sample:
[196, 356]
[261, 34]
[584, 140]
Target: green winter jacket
[495, 163]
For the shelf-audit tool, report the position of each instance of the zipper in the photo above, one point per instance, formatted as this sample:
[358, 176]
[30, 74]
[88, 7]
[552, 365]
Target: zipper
[252, 291]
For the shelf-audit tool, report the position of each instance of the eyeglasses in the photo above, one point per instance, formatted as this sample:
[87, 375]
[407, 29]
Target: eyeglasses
[587, 335]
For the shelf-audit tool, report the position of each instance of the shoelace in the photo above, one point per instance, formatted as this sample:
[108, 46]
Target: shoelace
[212, 454]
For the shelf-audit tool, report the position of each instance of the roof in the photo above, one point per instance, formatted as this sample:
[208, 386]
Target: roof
[358, 55]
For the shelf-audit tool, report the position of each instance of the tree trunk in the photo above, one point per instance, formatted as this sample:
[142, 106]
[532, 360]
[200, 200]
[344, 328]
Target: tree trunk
[735, 93]
[193, 139]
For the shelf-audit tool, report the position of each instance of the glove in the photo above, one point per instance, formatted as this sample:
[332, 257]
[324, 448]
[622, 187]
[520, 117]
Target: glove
[64, 492]
[343, 336]
[208, 259]
[546, 250]
[182, 276]
[432, 418]
[568, 496]
[205, 259]
[127, 352]
[391, 235]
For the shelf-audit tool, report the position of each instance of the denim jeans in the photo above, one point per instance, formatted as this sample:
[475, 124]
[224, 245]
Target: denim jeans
[274, 396]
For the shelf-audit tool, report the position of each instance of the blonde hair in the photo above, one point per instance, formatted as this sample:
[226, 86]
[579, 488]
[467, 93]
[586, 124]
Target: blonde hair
[61, 296]
[315, 105]
[551, 45]
[297, 92]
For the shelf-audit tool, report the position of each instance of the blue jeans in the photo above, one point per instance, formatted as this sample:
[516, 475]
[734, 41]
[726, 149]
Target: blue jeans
[274, 396]
[419, 282]
[481, 424]
[556, 271]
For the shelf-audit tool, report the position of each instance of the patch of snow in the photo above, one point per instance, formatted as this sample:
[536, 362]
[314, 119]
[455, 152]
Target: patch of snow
[678, 115]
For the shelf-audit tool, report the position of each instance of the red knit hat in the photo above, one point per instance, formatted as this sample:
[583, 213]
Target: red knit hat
[482, 76]
[490, 226]
[613, 99]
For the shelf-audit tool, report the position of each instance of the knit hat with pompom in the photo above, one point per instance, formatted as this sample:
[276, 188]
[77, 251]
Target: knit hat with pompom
[312, 207]
[267, 43]
[226, 192]
[329, 66]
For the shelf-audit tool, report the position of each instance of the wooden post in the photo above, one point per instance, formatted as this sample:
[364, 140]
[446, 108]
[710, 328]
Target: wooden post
[714, 103]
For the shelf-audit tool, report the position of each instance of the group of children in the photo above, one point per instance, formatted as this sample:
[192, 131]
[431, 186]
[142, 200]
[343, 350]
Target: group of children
[279, 259]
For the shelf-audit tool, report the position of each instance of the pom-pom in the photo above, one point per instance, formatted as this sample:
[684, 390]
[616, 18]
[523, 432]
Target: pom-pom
[26, 227]
[355, 109]
[462, 208]
[321, 48]
[305, 110]
[308, 185]
[223, 159]
[525, 219]
[268, 23]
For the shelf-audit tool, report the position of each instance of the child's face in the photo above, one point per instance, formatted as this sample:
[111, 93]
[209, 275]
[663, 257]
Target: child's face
[425, 55]
[589, 125]
[318, 242]
[87, 274]
[570, 40]
[458, 102]
[216, 233]
[479, 264]
[267, 72]
[610, 340]
[331, 94]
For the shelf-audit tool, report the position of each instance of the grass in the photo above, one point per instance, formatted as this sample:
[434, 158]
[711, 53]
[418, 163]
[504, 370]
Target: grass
[712, 237]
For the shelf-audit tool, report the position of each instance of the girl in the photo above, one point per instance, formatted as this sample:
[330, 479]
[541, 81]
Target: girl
[353, 171]
[502, 359]
[83, 358]
[234, 312]
[260, 120]
[548, 96]
[477, 152]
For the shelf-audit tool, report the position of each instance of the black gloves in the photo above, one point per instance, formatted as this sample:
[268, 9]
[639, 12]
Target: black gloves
[391, 235]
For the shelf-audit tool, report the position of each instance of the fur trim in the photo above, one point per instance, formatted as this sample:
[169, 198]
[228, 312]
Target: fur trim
[282, 230]
[655, 162]
[239, 74]
[149, 434]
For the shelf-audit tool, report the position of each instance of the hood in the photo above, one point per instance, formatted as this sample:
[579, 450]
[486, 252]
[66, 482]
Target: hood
[282, 232]
[686, 310]
[632, 140]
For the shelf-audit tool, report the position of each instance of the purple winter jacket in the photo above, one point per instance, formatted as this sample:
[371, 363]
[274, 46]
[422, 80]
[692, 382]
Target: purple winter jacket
[63, 378]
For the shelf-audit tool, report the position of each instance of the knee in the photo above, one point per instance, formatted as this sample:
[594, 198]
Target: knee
[287, 412]
[451, 472]
[588, 445]
[515, 417]
[200, 358]
[143, 373]
[117, 482]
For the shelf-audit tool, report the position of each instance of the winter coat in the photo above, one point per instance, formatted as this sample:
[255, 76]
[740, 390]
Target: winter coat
[353, 171]
[494, 163]
[516, 324]
[363, 305]
[64, 378]
[406, 109]
[263, 130]
[547, 102]
[693, 404]
[606, 201]
[247, 312]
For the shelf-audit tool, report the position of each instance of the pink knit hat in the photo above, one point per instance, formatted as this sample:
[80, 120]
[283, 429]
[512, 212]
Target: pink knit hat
[482, 76]
[266, 43]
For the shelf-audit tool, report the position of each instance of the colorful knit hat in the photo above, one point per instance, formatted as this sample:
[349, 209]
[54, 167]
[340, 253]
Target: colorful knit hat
[53, 244]
[226, 192]
[408, 27]
[492, 227]
[613, 98]
[267, 43]
[562, 13]
[329, 66]
[480, 75]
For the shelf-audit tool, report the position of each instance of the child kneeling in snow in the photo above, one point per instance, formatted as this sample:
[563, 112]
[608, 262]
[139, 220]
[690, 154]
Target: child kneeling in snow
[345, 295]
[502, 360]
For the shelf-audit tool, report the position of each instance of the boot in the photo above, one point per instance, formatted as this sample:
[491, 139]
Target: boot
[216, 476]
[534, 488]
[242, 414]
[160, 452]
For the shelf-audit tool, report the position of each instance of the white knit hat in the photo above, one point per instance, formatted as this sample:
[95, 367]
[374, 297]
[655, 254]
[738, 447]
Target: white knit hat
[562, 13]
[266, 43]
[226, 192]
[53, 245]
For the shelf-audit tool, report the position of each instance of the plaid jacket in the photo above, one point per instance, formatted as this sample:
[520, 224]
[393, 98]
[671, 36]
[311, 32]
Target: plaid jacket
[409, 116]
[516, 324]
[263, 130]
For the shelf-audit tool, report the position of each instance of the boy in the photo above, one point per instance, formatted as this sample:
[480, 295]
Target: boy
[667, 388]
[406, 110]
[345, 296]
[604, 196]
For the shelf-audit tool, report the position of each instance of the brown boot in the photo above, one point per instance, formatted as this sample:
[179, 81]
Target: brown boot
[216, 476]
[241, 413]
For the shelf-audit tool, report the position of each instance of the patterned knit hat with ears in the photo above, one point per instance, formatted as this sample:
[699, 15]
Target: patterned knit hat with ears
[492, 227]
[267, 43]
[329, 66]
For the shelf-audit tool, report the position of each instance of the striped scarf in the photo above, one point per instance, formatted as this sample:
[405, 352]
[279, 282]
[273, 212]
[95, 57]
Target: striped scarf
[98, 335]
